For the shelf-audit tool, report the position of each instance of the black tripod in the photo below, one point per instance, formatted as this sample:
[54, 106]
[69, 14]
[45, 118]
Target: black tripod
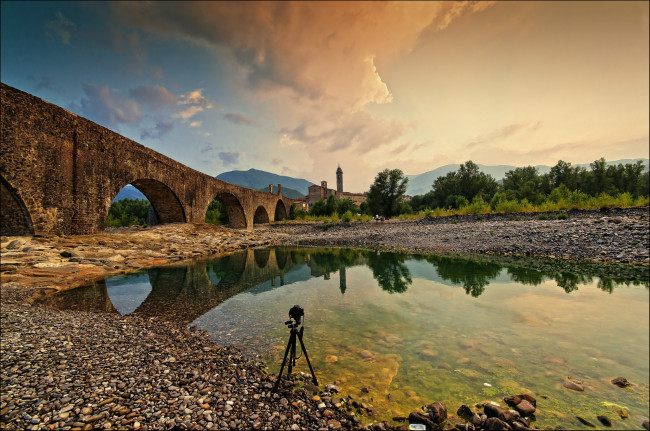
[295, 315]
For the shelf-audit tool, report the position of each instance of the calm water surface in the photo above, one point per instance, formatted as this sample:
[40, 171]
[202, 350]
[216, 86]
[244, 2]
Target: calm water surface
[400, 331]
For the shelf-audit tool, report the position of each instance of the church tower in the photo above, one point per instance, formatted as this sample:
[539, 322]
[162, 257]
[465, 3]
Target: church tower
[339, 182]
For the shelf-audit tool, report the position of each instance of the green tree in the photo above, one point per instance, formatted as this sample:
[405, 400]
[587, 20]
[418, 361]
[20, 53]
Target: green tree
[600, 180]
[468, 182]
[330, 205]
[216, 213]
[296, 213]
[523, 183]
[128, 212]
[345, 205]
[422, 202]
[385, 194]
[319, 208]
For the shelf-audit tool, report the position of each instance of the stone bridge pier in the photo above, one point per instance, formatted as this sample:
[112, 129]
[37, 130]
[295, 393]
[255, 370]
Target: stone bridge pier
[59, 173]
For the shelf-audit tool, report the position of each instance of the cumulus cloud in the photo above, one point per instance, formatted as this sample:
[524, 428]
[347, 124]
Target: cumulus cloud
[229, 158]
[61, 28]
[161, 128]
[195, 123]
[208, 148]
[317, 49]
[358, 132]
[108, 108]
[155, 97]
[194, 102]
[318, 65]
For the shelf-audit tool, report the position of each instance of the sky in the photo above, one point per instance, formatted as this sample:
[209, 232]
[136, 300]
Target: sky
[299, 88]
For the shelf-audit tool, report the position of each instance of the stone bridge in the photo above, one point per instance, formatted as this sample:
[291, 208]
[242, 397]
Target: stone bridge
[60, 172]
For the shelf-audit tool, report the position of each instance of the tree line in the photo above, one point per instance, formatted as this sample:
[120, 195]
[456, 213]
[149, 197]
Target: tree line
[526, 186]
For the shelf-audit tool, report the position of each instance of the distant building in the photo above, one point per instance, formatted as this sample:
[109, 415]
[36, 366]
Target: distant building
[339, 181]
[301, 204]
[316, 192]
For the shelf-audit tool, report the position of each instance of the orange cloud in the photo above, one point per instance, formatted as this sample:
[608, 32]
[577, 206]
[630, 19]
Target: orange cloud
[317, 49]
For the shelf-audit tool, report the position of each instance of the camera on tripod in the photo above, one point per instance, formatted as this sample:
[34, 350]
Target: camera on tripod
[295, 314]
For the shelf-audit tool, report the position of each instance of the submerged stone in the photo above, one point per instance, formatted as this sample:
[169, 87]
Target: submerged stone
[605, 420]
[621, 382]
[585, 422]
[574, 386]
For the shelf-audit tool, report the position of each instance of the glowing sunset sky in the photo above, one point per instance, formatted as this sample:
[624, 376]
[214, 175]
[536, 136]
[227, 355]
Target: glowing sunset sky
[297, 88]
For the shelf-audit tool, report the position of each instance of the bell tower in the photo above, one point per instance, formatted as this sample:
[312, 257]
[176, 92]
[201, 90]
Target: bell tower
[339, 182]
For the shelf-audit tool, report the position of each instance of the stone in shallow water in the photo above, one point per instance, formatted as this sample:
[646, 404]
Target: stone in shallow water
[574, 386]
[525, 408]
[437, 412]
[585, 422]
[621, 382]
[605, 420]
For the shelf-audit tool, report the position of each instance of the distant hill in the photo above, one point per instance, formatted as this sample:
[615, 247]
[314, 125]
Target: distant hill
[421, 184]
[257, 180]
[129, 192]
[286, 192]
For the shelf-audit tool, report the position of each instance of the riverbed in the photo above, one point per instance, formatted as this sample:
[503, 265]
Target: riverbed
[47, 344]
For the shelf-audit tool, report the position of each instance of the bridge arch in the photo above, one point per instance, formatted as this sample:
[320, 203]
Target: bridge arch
[15, 218]
[280, 211]
[261, 215]
[166, 205]
[262, 256]
[234, 208]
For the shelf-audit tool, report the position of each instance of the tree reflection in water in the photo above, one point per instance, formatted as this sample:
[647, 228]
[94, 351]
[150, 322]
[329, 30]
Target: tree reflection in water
[473, 275]
[389, 271]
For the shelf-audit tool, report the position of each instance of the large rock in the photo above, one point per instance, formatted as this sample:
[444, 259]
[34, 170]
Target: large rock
[492, 411]
[525, 408]
[437, 412]
[516, 399]
[496, 424]
[421, 418]
[464, 412]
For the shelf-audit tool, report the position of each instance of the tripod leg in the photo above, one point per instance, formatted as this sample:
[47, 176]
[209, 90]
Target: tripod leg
[292, 354]
[302, 345]
[291, 342]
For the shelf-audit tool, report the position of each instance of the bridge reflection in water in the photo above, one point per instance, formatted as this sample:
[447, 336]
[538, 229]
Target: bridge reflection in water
[184, 293]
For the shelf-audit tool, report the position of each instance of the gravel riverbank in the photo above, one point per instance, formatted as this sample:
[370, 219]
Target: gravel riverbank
[82, 371]
[617, 235]
[79, 371]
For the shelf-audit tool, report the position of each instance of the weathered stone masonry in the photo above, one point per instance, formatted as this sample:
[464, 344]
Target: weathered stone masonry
[60, 173]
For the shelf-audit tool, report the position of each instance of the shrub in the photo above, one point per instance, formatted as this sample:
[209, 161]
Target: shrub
[478, 206]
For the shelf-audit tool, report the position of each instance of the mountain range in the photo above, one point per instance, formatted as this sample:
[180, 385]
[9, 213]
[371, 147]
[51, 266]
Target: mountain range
[297, 187]
[260, 180]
